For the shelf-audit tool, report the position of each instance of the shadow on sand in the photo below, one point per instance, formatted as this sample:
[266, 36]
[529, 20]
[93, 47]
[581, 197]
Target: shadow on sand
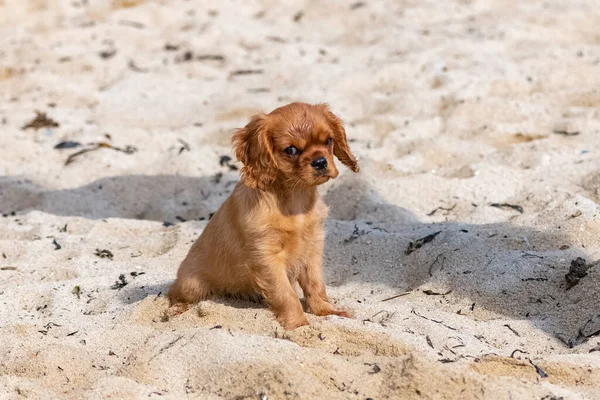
[510, 270]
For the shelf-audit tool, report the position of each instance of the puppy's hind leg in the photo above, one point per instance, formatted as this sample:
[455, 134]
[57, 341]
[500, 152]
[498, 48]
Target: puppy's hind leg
[188, 288]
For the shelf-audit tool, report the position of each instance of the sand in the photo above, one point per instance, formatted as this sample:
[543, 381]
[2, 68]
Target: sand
[451, 107]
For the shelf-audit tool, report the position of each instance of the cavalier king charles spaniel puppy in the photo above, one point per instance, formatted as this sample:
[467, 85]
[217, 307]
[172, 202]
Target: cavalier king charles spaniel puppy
[269, 233]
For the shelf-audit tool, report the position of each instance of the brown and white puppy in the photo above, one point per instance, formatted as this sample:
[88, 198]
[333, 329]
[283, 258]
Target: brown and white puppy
[269, 233]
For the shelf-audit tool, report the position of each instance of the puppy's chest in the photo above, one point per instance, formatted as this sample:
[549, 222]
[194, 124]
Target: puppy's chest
[297, 234]
[296, 228]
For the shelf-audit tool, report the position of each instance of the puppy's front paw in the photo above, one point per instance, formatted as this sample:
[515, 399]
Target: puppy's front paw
[292, 322]
[324, 308]
[341, 312]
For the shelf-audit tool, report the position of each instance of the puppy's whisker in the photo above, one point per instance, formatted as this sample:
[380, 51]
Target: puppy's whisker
[294, 182]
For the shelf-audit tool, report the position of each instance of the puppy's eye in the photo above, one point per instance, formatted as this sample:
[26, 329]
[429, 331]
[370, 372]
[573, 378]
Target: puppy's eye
[328, 141]
[291, 151]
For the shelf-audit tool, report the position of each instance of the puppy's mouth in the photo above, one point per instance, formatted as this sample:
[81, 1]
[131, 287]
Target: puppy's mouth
[324, 176]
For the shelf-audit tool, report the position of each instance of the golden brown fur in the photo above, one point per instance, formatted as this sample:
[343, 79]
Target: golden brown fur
[269, 234]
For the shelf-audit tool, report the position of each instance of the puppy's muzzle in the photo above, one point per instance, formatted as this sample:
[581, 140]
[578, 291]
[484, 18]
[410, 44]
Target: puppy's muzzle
[319, 164]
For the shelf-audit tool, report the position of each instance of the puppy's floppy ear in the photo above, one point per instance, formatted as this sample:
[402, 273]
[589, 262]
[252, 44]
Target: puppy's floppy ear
[340, 143]
[254, 148]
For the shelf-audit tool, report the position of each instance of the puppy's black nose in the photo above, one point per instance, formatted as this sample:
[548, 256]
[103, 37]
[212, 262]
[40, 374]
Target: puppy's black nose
[319, 164]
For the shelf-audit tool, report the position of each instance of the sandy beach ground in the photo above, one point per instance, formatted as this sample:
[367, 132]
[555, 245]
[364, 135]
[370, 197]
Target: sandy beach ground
[451, 106]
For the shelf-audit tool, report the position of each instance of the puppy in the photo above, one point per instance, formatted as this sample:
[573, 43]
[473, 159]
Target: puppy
[269, 233]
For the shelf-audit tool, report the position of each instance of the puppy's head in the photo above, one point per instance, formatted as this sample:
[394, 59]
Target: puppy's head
[294, 144]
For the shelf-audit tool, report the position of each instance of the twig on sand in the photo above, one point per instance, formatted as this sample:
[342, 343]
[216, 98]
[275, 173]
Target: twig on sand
[565, 132]
[432, 293]
[98, 146]
[449, 360]
[529, 255]
[512, 330]
[166, 347]
[189, 340]
[396, 296]
[432, 320]
[512, 355]
[538, 279]
[383, 319]
[506, 205]
[441, 208]
[246, 72]
[429, 342]
[540, 371]
[417, 244]
[67, 144]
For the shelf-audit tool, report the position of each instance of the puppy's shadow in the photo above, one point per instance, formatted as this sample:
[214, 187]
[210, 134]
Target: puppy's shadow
[131, 294]
[240, 302]
[135, 293]
[511, 270]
